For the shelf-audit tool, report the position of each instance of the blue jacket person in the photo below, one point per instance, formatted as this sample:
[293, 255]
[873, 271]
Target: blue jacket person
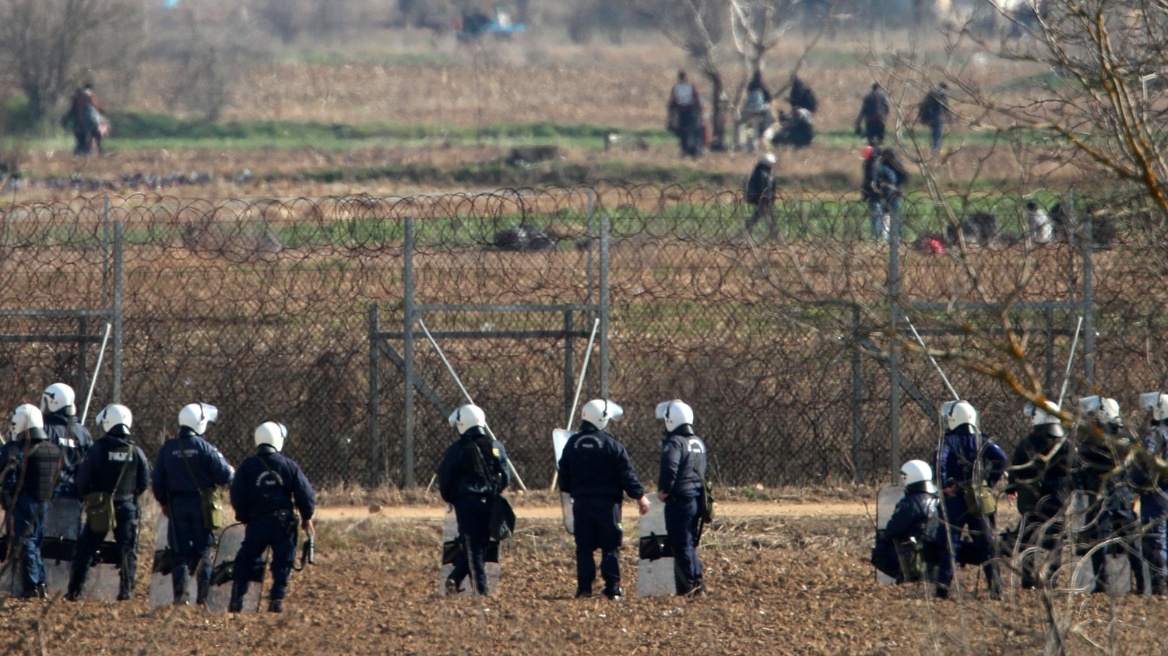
[596, 471]
[186, 466]
[474, 469]
[268, 493]
[908, 527]
[679, 486]
[116, 466]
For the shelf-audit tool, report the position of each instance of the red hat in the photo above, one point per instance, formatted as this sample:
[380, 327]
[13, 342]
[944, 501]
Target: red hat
[866, 152]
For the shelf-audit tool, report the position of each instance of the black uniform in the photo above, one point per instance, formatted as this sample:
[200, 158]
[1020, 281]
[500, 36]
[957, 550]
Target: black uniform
[595, 470]
[683, 473]
[33, 465]
[874, 111]
[116, 466]
[1111, 501]
[469, 481]
[1039, 476]
[760, 193]
[908, 528]
[74, 439]
[267, 492]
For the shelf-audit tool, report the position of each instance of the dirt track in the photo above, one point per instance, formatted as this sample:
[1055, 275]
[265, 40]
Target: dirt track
[737, 510]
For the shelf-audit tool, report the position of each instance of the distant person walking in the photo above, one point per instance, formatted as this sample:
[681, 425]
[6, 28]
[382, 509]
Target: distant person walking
[760, 194]
[874, 110]
[86, 120]
[933, 111]
[685, 116]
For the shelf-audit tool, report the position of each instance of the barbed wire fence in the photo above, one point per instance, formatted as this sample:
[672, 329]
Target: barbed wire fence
[784, 346]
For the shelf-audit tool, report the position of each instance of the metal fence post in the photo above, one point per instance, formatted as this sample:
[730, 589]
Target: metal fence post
[894, 352]
[1088, 302]
[569, 366]
[1048, 379]
[857, 395]
[375, 466]
[105, 255]
[605, 243]
[408, 351]
[116, 362]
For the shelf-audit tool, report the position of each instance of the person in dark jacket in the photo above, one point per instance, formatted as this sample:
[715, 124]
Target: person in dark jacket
[473, 471]
[907, 527]
[796, 129]
[596, 471]
[1102, 474]
[760, 194]
[1039, 481]
[64, 430]
[801, 96]
[29, 467]
[84, 117]
[679, 486]
[272, 496]
[187, 465]
[115, 466]
[967, 461]
[934, 112]
[685, 115]
[1153, 488]
[756, 111]
[874, 110]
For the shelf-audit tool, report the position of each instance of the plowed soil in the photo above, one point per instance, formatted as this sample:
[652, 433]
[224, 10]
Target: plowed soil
[784, 579]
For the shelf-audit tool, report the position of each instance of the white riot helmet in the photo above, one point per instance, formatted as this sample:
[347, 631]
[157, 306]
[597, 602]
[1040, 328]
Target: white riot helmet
[915, 471]
[196, 416]
[675, 413]
[1044, 415]
[1155, 403]
[468, 417]
[957, 413]
[26, 417]
[58, 397]
[1103, 410]
[768, 160]
[272, 434]
[599, 412]
[113, 416]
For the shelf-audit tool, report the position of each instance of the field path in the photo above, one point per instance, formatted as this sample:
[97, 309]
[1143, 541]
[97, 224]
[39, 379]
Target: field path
[735, 509]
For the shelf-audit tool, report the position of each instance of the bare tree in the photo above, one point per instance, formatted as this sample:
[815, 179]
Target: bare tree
[47, 46]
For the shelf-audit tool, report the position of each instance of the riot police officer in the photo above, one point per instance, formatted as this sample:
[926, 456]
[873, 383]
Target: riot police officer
[66, 431]
[907, 530]
[187, 466]
[473, 471]
[596, 471]
[679, 486]
[115, 466]
[29, 467]
[268, 492]
[1154, 492]
[969, 464]
[1038, 480]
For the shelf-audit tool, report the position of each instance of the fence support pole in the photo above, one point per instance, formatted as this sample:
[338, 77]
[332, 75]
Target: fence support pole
[857, 396]
[1048, 379]
[894, 352]
[1089, 302]
[408, 350]
[375, 467]
[605, 244]
[569, 365]
[116, 361]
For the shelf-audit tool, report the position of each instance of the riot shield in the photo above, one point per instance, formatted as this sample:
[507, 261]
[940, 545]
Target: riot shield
[161, 584]
[451, 547]
[223, 573]
[886, 499]
[559, 439]
[655, 575]
[62, 529]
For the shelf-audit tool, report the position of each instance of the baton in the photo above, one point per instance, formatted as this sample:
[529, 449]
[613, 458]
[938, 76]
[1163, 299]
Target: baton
[96, 371]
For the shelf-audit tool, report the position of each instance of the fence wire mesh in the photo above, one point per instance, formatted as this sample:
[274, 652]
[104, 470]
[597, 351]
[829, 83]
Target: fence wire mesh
[779, 343]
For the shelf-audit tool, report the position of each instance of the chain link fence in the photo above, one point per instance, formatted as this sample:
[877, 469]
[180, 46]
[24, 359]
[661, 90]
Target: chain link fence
[782, 343]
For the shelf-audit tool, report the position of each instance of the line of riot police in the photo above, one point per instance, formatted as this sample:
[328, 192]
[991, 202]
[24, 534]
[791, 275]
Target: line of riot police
[1076, 490]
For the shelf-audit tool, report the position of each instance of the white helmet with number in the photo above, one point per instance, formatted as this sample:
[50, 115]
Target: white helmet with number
[115, 415]
[58, 397]
[196, 416]
[1156, 403]
[915, 471]
[599, 412]
[26, 417]
[958, 413]
[675, 413]
[271, 433]
[468, 417]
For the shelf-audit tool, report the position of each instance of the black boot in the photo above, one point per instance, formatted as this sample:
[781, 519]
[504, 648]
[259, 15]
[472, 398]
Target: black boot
[583, 592]
[276, 606]
[614, 592]
[235, 605]
[204, 589]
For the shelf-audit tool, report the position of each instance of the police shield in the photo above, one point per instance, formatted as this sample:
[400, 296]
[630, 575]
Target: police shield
[451, 548]
[655, 577]
[886, 499]
[223, 573]
[559, 439]
[1083, 575]
[161, 585]
[62, 529]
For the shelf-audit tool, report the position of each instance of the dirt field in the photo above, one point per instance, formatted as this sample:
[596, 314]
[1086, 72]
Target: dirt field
[785, 579]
